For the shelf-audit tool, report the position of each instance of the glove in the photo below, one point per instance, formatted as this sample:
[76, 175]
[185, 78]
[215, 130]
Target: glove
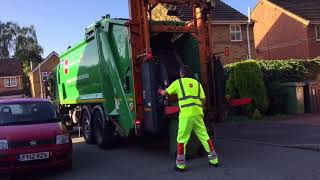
[160, 91]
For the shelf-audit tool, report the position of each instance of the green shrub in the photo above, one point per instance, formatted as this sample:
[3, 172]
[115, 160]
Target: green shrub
[245, 80]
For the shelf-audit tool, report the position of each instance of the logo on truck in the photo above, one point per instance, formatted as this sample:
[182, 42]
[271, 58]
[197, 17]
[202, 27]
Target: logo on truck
[66, 66]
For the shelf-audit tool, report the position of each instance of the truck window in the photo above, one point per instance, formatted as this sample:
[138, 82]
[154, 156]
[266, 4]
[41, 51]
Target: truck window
[64, 91]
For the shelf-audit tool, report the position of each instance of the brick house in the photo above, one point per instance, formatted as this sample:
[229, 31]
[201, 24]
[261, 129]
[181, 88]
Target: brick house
[10, 78]
[230, 29]
[39, 75]
[287, 29]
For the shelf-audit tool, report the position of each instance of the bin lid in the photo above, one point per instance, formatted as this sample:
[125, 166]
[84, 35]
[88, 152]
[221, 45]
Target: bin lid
[293, 84]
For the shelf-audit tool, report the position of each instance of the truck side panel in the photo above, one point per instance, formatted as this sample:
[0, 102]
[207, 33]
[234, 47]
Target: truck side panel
[117, 72]
[79, 73]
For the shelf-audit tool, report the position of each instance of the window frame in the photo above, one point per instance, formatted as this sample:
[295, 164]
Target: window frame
[11, 83]
[46, 76]
[235, 32]
[317, 27]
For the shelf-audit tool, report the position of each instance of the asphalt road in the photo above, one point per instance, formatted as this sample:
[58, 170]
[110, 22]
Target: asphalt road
[239, 160]
[248, 151]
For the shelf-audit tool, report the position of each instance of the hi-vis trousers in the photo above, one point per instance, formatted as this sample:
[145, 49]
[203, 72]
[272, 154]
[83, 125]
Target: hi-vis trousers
[186, 125]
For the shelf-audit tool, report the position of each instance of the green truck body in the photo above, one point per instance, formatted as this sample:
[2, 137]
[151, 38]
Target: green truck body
[95, 70]
[97, 75]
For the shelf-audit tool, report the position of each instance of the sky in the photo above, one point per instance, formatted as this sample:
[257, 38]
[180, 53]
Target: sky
[61, 23]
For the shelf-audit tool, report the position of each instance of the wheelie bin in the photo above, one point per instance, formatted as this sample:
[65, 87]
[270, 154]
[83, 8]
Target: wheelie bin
[310, 97]
[295, 97]
[318, 96]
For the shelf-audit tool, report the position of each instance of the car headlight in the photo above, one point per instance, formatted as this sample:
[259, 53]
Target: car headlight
[4, 144]
[63, 139]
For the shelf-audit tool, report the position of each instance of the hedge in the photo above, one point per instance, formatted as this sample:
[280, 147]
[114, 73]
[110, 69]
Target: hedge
[280, 71]
[289, 70]
[245, 80]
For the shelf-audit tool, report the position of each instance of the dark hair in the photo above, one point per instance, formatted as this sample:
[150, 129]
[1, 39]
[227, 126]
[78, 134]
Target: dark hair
[186, 71]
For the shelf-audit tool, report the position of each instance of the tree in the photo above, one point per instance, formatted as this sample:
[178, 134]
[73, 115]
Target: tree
[22, 44]
[7, 34]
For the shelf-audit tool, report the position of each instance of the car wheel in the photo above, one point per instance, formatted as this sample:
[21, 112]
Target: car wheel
[87, 129]
[104, 130]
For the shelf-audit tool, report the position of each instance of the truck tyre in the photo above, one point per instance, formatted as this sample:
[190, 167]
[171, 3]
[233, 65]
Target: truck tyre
[86, 124]
[104, 130]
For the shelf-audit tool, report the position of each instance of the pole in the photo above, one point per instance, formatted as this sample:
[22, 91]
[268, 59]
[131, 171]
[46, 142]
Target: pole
[248, 33]
[40, 81]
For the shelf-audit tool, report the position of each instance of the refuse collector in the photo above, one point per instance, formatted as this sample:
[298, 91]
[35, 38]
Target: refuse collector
[191, 101]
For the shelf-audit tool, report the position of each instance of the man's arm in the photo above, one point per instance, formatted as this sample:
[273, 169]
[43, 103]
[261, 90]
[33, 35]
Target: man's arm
[172, 89]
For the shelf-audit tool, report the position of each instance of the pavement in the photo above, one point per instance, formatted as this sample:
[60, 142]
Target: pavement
[250, 151]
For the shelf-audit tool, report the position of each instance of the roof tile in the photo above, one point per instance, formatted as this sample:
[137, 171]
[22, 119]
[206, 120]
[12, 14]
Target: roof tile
[10, 67]
[222, 12]
[307, 9]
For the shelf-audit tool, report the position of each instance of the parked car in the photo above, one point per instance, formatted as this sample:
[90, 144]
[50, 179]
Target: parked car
[32, 136]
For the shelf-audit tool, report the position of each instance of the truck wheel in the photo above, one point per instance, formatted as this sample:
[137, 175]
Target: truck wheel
[104, 130]
[86, 124]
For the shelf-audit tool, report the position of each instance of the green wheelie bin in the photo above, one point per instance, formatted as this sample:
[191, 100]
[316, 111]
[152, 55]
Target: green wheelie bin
[294, 92]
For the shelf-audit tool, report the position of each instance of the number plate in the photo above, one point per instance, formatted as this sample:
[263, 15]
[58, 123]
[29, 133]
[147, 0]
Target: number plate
[33, 156]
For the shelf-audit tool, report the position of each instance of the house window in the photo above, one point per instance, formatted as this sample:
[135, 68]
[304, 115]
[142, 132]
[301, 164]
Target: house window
[44, 76]
[10, 82]
[318, 32]
[235, 33]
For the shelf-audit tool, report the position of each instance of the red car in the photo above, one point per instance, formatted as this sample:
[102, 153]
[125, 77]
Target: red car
[32, 136]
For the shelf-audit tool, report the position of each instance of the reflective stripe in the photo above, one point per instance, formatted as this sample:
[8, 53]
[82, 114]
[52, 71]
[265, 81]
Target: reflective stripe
[184, 97]
[181, 157]
[182, 89]
[190, 97]
[180, 163]
[212, 155]
[190, 105]
[181, 160]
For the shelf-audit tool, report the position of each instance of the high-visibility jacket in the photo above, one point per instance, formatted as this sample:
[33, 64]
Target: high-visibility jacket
[190, 94]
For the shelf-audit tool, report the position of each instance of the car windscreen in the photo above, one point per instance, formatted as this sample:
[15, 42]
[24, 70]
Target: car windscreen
[27, 113]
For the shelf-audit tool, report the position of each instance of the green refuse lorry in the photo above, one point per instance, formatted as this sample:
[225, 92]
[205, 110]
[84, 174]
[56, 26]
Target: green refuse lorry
[105, 85]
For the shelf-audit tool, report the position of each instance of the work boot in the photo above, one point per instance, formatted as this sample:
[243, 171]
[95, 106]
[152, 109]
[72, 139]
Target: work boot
[180, 168]
[214, 162]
